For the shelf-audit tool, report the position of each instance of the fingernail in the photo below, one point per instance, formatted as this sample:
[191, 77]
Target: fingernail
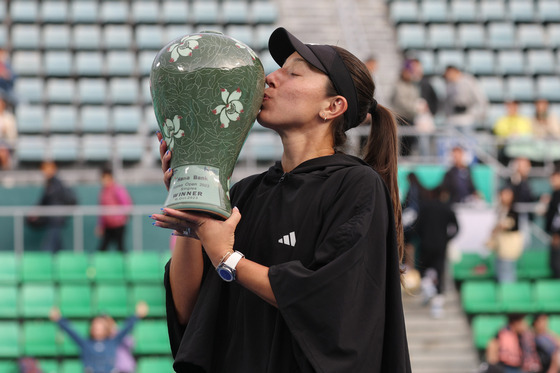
[150, 216]
[154, 223]
[169, 169]
[160, 141]
[167, 152]
[158, 132]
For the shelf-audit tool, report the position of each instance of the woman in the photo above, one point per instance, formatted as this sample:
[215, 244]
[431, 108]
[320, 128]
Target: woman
[318, 287]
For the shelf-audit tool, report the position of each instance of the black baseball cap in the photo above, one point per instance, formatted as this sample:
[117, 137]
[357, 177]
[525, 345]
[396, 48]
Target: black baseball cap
[325, 58]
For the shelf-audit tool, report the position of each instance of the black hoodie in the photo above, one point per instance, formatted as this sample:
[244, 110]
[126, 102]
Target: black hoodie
[326, 230]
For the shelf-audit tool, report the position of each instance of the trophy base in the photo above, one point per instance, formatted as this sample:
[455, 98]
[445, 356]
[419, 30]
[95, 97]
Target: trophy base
[197, 188]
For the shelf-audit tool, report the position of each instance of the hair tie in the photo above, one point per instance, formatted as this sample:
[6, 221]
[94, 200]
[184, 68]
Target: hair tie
[373, 107]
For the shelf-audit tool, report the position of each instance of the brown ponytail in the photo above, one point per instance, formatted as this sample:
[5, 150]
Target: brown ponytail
[381, 150]
[381, 153]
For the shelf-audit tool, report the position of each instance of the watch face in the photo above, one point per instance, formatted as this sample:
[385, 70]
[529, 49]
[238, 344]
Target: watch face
[225, 274]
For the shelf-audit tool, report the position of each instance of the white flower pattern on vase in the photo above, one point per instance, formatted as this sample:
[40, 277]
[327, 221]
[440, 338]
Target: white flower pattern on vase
[242, 46]
[232, 108]
[172, 130]
[185, 48]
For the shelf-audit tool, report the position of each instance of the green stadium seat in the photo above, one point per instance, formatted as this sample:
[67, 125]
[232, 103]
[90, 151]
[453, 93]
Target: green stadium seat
[67, 346]
[554, 323]
[10, 343]
[144, 267]
[8, 302]
[480, 297]
[151, 337]
[108, 266]
[533, 264]
[111, 299]
[473, 266]
[36, 300]
[71, 366]
[486, 327]
[36, 267]
[546, 295]
[9, 268]
[516, 297]
[48, 365]
[39, 338]
[8, 366]
[153, 295]
[155, 364]
[74, 300]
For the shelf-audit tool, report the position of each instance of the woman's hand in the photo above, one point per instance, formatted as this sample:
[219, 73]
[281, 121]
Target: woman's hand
[165, 155]
[216, 236]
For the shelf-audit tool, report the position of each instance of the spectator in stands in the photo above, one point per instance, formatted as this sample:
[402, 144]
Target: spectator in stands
[514, 348]
[427, 91]
[371, 64]
[513, 124]
[547, 344]
[552, 223]
[55, 193]
[8, 135]
[112, 227]
[457, 181]
[98, 352]
[405, 103]
[506, 239]
[315, 303]
[519, 181]
[436, 226]
[465, 102]
[411, 206]
[545, 123]
[7, 78]
[124, 360]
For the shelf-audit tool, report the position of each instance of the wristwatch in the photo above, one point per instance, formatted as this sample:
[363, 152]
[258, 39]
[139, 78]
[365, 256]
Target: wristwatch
[226, 269]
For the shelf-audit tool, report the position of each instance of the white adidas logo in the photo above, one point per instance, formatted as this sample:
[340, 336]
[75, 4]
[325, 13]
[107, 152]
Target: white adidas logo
[289, 239]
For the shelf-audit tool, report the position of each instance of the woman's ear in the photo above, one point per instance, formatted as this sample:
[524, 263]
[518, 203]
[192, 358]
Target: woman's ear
[337, 107]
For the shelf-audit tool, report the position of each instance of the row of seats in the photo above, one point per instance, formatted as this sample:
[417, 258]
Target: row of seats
[121, 37]
[77, 300]
[45, 339]
[89, 148]
[71, 267]
[472, 11]
[486, 327]
[197, 11]
[144, 365]
[487, 296]
[86, 119]
[533, 264]
[495, 35]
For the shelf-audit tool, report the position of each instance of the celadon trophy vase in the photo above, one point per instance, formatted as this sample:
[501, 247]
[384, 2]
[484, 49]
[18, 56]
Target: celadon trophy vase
[207, 89]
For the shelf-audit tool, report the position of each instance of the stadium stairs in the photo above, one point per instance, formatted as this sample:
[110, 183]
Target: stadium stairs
[441, 345]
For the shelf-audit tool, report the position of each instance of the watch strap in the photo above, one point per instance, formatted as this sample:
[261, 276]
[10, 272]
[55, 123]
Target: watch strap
[233, 259]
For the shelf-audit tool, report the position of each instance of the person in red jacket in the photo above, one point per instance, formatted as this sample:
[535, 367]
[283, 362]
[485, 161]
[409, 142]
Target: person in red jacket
[111, 227]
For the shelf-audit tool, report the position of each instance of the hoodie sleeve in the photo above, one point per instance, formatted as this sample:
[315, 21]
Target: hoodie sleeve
[346, 314]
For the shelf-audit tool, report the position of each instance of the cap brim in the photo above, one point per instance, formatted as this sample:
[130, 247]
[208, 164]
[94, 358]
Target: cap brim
[282, 44]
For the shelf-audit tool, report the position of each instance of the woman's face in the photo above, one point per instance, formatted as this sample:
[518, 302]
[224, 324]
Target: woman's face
[99, 329]
[295, 96]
